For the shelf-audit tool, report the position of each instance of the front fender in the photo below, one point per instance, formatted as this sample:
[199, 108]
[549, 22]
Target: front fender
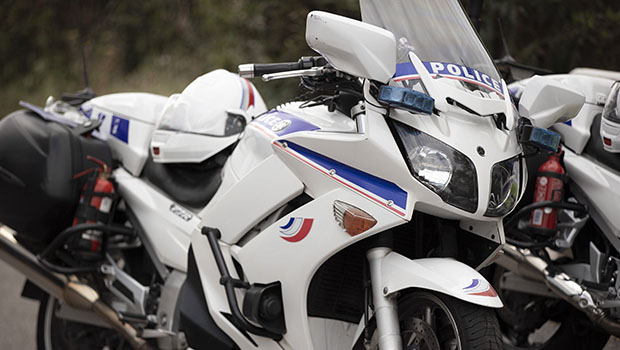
[443, 275]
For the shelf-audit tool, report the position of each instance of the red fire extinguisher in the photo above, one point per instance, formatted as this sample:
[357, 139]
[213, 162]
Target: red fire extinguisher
[95, 203]
[549, 187]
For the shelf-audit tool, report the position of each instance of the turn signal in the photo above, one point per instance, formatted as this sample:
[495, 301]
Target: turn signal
[352, 219]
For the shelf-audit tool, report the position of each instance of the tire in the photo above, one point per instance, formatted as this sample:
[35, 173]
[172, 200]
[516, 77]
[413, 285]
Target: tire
[530, 322]
[454, 324]
[54, 333]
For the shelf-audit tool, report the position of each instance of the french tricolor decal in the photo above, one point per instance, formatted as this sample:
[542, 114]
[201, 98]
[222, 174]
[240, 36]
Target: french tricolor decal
[296, 229]
[480, 288]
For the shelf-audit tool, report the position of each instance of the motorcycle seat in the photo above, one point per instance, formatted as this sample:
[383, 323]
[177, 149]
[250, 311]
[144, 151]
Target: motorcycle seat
[595, 149]
[190, 184]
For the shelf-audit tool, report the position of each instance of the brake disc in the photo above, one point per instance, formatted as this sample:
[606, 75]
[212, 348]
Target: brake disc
[418, 335]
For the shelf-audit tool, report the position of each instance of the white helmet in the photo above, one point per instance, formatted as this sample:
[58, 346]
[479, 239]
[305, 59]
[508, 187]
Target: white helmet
[205, 118]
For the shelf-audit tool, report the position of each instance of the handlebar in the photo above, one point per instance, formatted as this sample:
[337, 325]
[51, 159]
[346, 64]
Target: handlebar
[251, 70]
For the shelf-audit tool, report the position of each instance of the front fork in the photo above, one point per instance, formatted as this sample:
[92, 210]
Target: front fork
[385, 306]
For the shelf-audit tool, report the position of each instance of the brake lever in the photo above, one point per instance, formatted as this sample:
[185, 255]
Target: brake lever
[312, 72]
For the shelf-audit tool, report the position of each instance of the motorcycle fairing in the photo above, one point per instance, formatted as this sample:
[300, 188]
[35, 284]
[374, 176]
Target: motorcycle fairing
[241, 203]
[169, 232]
[215, 296]
[381, 191]
[294, 264]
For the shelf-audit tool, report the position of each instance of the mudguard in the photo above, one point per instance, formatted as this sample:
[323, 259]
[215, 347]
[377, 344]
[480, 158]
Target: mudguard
[443, 275]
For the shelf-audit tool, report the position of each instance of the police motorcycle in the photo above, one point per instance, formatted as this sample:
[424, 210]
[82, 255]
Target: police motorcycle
[356, 217]
[558, 276]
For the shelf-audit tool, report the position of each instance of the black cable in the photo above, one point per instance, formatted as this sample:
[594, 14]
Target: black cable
[522, 244]
[62, 238]
[546, 204]
[68, 270]
[80, 228]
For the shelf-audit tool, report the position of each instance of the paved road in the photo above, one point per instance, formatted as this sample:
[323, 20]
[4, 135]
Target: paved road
[18, 316]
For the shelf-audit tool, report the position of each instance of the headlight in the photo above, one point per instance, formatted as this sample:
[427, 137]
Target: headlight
[505, 187]
[441, 168]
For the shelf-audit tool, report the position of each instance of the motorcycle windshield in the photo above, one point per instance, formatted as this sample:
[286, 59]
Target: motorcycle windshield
[440, 34]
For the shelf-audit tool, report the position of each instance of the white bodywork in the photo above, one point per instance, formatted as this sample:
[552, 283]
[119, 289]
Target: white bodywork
[158, 215]
[601, 186]
[128, 122]
[183, 147]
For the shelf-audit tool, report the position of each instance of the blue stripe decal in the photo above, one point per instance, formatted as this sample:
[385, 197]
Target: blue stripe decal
[405, 69]
[473, 284]
[242, 93]
[120, 128]
[450, 70]
[86, 113]
[290, 222]
[382, 188]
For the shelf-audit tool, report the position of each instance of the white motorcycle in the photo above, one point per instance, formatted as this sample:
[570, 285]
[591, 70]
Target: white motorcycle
[565, 278]
[355, 218]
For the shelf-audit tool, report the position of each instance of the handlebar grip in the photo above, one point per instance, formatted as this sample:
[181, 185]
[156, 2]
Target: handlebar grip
[252, 70]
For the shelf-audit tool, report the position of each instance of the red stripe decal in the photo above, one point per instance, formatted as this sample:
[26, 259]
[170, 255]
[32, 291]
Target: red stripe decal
[487, 293]
[303, 232]
[417, 76]
[251, 91]
[260, 128]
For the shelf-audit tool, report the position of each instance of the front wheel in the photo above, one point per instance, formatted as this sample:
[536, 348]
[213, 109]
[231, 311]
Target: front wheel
[433, 321]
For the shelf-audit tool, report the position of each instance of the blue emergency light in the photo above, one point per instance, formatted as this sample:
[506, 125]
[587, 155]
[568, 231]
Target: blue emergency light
[408, 99]
[541, 138]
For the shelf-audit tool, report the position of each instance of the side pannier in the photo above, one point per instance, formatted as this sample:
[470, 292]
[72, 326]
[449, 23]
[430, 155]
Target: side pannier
[38, 161]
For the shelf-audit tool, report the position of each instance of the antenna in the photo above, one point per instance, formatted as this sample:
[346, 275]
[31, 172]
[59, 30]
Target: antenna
[76, 99]
[84, 67]
[509, 67]
[507, 55]
[475, 11]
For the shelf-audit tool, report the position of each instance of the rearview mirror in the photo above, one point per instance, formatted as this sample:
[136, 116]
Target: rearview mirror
[351, 46]
[546, 101]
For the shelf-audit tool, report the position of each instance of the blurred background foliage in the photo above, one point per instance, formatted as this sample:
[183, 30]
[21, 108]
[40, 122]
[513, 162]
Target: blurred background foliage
[160, 46]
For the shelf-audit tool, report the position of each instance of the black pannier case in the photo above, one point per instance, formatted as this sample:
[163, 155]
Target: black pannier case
[38, 160]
